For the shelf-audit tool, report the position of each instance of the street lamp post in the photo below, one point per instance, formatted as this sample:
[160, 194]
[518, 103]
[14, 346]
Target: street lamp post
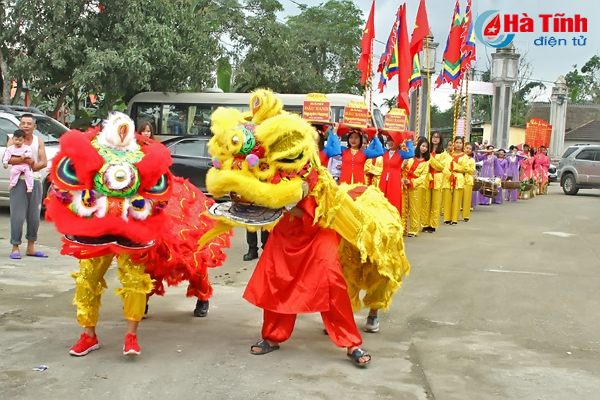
[505, 63]
[427, 59]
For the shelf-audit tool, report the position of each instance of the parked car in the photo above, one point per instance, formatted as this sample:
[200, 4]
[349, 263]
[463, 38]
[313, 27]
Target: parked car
[190, 158]
[552, 173]
[579, 168]
[48, 129]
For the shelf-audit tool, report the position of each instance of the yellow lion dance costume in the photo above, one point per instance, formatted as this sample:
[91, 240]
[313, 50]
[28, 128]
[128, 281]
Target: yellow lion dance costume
[267, 160]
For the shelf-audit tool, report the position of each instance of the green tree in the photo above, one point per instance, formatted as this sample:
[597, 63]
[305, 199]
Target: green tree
[315, 51]
[585, 87]
[441, 119]
[389, 103]
[116, 48]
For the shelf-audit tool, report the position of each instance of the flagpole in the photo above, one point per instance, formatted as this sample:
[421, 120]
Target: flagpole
[370, 84]
[466, 100]
[455, 114]
[428, 91]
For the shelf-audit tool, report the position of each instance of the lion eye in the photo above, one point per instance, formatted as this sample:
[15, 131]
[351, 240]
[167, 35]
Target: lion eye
[289, 160]
[161, 186]
[65, 172]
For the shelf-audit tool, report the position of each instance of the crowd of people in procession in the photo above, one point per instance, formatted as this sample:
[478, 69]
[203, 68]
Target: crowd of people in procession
[426, 180]
[420, 178]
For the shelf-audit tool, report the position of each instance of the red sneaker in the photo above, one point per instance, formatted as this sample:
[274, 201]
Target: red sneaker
[85, 344]
[131, 348]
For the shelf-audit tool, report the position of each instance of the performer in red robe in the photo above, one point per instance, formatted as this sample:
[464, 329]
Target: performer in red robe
[302, 275]
[391, 176]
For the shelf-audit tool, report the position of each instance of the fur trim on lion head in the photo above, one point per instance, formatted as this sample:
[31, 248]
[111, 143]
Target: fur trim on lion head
[268, 158]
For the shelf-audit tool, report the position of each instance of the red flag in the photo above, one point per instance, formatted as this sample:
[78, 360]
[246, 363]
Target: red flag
[404, 63]
[421, 30]
[451, 67]
[468, 48]
[365, 64]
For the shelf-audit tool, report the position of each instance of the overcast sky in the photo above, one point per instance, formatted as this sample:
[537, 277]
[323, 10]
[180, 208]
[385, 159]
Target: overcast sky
[547, 62]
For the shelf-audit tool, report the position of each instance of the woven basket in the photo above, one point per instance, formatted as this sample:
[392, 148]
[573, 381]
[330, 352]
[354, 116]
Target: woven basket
[510, 185]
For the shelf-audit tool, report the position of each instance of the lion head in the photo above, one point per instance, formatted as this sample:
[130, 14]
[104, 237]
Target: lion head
[267, 157]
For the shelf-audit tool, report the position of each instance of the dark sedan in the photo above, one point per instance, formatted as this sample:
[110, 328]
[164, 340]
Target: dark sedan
[190, 158]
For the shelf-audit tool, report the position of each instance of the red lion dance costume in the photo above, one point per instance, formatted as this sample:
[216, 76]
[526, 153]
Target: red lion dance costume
[113, 196]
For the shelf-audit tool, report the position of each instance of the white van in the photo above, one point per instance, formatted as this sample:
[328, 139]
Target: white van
[184, 114]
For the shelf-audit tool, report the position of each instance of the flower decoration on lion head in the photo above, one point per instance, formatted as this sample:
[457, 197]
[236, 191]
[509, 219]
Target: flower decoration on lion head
[255, 165]
[110, 184]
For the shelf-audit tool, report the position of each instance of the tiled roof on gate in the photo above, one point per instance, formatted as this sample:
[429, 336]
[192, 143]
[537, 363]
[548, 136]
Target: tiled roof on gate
[587, 131]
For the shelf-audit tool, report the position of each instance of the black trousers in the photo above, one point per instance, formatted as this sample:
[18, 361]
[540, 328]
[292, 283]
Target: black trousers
[252, 239]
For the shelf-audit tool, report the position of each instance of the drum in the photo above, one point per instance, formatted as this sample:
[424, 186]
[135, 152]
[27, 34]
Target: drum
[489, 189]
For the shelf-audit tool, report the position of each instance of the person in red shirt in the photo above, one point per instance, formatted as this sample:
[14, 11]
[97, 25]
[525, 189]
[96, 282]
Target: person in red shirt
[354, 157]
[300, 272]
[391, 175]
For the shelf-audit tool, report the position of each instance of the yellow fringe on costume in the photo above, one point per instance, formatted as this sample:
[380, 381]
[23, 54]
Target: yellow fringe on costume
[136, 285]
[90, 285]
[372, 249]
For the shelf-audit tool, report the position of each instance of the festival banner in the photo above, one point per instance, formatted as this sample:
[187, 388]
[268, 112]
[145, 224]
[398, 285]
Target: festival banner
[537, 133]
[356, 114]
[316, 108]
[395, 120]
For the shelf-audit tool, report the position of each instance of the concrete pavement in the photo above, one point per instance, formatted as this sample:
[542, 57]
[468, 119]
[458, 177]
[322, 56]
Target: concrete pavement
[502, 307]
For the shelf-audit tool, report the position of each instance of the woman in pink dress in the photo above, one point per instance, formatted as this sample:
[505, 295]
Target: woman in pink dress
[542, 162]
[528, 167]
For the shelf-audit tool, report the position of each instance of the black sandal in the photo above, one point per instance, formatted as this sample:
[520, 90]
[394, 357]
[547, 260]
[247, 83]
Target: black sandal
[356, 355]
[265, 348]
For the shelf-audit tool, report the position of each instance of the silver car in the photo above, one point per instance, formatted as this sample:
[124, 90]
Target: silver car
[579, 168]
[48, 129]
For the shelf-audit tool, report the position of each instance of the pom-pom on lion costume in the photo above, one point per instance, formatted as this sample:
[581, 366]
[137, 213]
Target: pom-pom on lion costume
[112, 195]
[268, 162]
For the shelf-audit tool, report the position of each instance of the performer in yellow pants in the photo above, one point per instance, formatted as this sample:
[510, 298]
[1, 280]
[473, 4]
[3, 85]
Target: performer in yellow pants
[469, 182]
[457, 165]
[430, 218]
[417, 182]
[90, 285]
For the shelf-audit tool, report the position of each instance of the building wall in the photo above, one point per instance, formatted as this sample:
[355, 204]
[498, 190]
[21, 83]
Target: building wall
[577, 114]
[516, 134]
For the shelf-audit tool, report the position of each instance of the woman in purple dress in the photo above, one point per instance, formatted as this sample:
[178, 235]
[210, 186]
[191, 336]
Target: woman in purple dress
[511, 172]
[504, 164]
[491, 168]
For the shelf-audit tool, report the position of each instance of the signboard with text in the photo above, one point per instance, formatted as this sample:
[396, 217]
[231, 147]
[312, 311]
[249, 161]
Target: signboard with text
[316, 108]
[395, 122]
[356, 117]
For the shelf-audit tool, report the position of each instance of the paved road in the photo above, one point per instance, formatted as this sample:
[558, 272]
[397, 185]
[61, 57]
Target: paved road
[503, 307]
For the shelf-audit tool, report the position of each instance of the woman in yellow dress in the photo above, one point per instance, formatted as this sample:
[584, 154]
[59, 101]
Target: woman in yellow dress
[456, 167]
[433, 194]
[373, 168]
[417, 182]
[469, 182]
